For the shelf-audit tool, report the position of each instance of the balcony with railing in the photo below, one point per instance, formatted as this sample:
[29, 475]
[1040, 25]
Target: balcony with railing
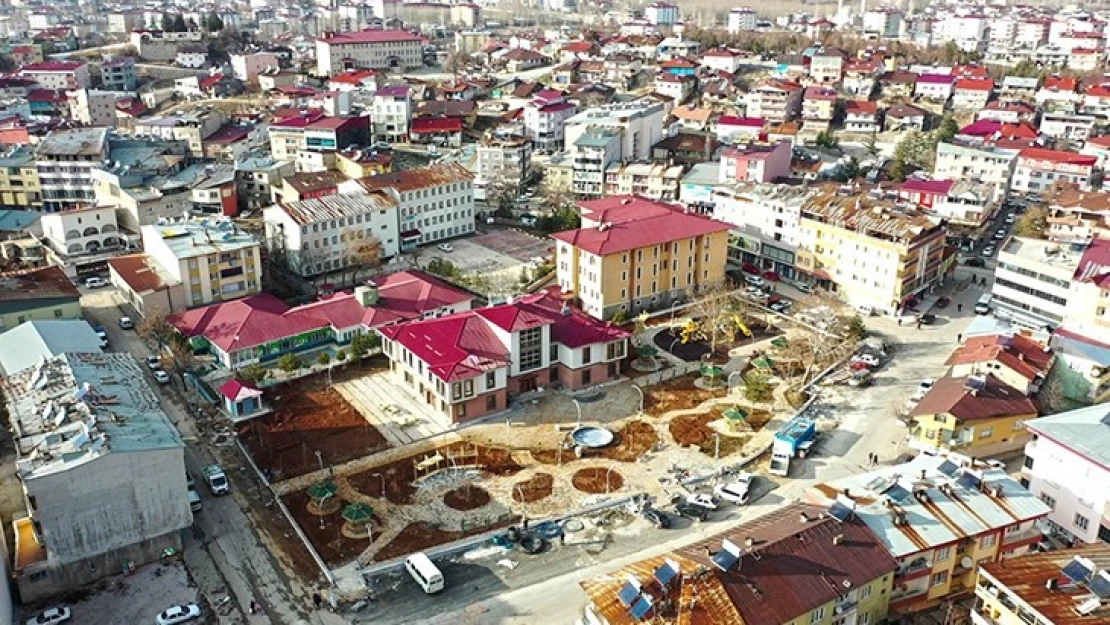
[914, 566]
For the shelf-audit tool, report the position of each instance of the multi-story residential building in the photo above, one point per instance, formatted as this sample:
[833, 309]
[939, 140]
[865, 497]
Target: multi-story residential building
[861, 77]
[368, 49]
[755, 163]
[639, 125]
[656, 181]
[987, 164]
[741, 19]
[362, 163]
[125, 21]
[934, 87]
[819, 105]
[797, 565]
[940, 517]
[775, 100]
[633, 254]
[765, 220]
[1034, 280]
[503, 161]
[160, 45]
[391, 113]
[62, 75]
[193, 128]
[1096, 101]
[37, 294]
[968, 32]
[1037, 169]
[661, 14]
[258, 177]
[978, 415]
[1059, 94]
[108, 428]
[64, 160]
[248, 67]
[1073, 130]
[335, 232]
[262, 328]
[215, 262]
[971, 93]
[78, 238]
[594, 152]
[118, 74]
[1056, 588]
[1067, 465]
[544, 120]
[896, 254]
[861, 116]
[1015, 359]
[316, 131]
[1077, 216]
[967, 203]
[434, 202]
[470, 364]
[19, 178]
[882, 22]
[92, 108]
[827, 66]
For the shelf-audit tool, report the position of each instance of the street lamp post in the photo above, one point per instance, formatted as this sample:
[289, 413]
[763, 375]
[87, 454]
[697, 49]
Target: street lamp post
[641, 392]
[578, 409]
[383, 482]
[320, 459]
[729, 381]
[607, 472]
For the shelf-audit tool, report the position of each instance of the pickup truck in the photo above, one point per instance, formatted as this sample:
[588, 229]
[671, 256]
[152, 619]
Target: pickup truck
[217, 481]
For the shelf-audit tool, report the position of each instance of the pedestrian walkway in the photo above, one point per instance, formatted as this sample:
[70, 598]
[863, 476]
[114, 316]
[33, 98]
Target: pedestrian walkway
[393, 409]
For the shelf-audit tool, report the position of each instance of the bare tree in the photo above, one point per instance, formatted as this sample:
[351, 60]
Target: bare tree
[720, 313]
[362, 254]
[501, 195]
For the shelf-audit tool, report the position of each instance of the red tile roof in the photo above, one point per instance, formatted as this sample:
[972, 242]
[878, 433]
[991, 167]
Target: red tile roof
[1098, 91]
[936, 187]
[1019, 353]
[1061, 83]
[139, 271]
[974, 84]
[423, 125]
[464, 345]
[263, 318]
[52, 66]
[1057, 156]
[632, 222]
[955, 396]
[236, 390]
[1094, 265]
[733, 120]
[861, 108]
[299, 120]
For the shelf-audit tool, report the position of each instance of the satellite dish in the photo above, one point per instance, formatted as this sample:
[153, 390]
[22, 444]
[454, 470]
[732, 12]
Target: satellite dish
[967, 562]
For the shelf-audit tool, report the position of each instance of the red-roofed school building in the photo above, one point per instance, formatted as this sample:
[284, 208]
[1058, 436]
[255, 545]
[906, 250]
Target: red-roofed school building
[633, 254]
[469, 364]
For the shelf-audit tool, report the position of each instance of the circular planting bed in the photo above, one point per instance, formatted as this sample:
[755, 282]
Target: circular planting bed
[466, 498]
[593, 480]
[536, 488]
[331, 505]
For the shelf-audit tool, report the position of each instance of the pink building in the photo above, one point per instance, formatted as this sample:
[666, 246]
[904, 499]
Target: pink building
[470, 364]
[68, 75]
[755, 163]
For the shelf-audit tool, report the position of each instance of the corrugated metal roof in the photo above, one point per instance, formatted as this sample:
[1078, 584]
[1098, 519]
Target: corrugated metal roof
[315, 210]
[1028, 575]
[1085, 431]
[419, 178]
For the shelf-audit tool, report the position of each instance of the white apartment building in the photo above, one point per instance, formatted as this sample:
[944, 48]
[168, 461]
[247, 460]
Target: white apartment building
[983, 164]
[969, 32]
[78, 232]
[1033, 281]
[64, 160]
[326, 234]
[775, 100]
[215, 261]
[391, 113]
[545, 119]
[968, 203]
[1067, 465]
[661, 13]
[1075, 129]
[503, 160]
[766, 219]
[882, 22]
[93, 108]
[433, 203]
[741, 19]
[640, 124]
[62, 75]
[594, 152]
[1037, 169]
[368, 49]
[657, 181]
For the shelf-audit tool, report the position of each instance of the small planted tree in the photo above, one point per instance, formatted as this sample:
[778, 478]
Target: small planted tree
[323, 359]
[253, 374]
[289, 363]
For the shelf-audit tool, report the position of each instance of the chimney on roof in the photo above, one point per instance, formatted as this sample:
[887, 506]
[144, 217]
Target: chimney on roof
[804, 517]
[922, 473]
[838, 539]
[1051, 584]
[847, 494]
[749, 541]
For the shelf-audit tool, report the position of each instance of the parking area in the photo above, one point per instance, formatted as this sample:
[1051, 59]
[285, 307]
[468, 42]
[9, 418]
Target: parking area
[498, 251]
[135, 598]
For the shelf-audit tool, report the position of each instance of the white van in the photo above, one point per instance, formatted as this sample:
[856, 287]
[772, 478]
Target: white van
[983, 306]
[425, 573]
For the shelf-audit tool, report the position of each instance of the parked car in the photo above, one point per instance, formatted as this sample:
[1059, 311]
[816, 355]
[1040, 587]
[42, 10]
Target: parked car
[95, 282]
[705, 500]
[691, 511]
[782, 306]
[975, 262]
[153, 362]
[1000, 234]
[922, 389]
[987, 252]
[1009, 218]
[445, 247]
[125, 323]
[927, 319]
[804, 288]
[870, 360]
[756, 281]
[737, 491]
[658, 518]
[943, 302]
[179, 614]
[51, 616]
[161, 376]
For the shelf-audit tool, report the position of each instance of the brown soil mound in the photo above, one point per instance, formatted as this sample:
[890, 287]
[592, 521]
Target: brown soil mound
[593, 480]
[678, 393]
[401, 474]
[420, 536]
[535, 489]
[694, 430]
[466, 498]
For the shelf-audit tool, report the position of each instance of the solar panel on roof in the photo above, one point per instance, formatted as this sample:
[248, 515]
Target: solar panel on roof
[1079, 569]
[641, 609]
[725, 560]
[948, 468]
[897, 493]
[840, 512]
[969, 480]
[1100, 585]
[666, 572]
[628, 594]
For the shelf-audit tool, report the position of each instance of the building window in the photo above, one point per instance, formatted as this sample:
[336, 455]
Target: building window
[817, 615]
[944, 553]
[940, 578]
[468, 388]
[1028, 464]
[1081, 522]
[865, 592]
[587, 356]
[491, 379]
[988, 541]
[531, 349]
[1048, 500]
[491, 402]
[986, 432]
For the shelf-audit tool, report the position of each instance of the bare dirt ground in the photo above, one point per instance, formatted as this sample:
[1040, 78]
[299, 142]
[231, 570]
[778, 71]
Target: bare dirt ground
[285, 443]
[693, 430]
[136, 598]
[538, 487]
[420, 536]
[677, 394]
[597, 480]
[633, 439]
[466, 498]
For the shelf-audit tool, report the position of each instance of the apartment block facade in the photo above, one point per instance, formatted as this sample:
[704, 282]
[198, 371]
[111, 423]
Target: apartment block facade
[215, 263]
